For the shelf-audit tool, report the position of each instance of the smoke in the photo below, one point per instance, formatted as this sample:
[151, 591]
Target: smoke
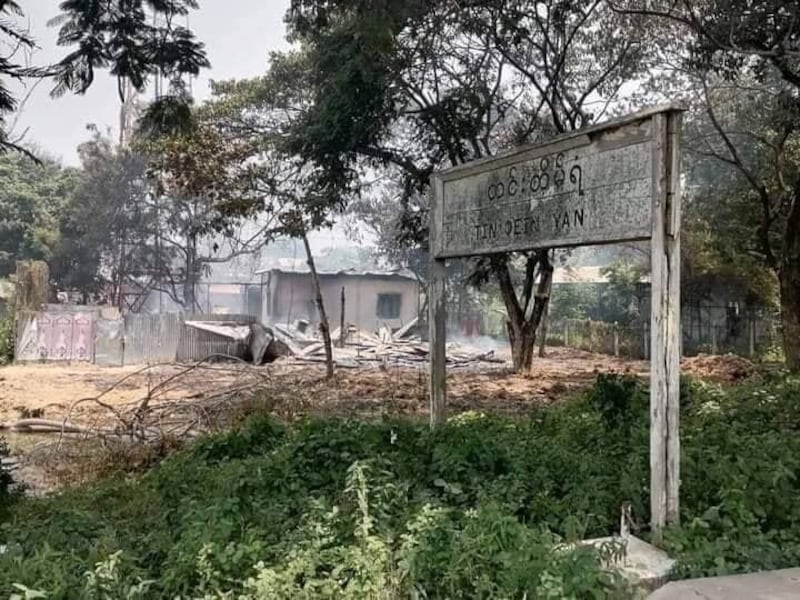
[479, 342]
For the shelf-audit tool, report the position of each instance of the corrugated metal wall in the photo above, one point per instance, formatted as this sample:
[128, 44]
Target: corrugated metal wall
[57, 334]
[65, 334]
[151, 338]
[194, 344]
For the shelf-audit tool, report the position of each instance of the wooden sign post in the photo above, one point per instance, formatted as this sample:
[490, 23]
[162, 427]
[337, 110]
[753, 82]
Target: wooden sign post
[614, 182]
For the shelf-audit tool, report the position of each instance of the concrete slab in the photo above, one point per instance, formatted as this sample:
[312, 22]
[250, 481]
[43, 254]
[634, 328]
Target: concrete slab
[643, 565]
[769, 585]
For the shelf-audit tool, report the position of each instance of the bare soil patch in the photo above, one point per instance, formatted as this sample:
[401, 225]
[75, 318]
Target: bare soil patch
[719, 368]
[54, 389]
[137, 414]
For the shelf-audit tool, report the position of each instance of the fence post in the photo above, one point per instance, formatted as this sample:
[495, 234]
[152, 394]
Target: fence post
[616, 339]
[714, 348]
[566, 333]
[752, 337]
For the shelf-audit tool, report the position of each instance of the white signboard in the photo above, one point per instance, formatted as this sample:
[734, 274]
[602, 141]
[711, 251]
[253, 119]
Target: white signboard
[586, 189]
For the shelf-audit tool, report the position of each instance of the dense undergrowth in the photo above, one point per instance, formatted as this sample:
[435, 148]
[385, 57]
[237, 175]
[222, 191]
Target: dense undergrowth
[350, 509]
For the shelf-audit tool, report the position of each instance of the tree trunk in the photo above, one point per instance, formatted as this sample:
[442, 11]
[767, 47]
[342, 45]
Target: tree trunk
[524, 318]
[324, 327]
[342, 323]
[543, 330]
[790, 315]
[789, 278]
[523, 344]
[190, 282]
[547, 288]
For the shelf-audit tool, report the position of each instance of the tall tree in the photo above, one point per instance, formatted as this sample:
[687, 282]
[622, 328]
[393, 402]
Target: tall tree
[202, 189]
[106, 226]
[136, 40]
[267, 113]
[154, 217]
[742, 60]
[15, 39]
[412, 86]
[31, 200]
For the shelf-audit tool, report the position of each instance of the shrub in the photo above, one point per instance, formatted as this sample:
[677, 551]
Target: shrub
[358, 509]
[7, 340]
[7, 494]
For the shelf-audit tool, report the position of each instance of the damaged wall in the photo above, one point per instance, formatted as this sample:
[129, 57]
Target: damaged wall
[290, 296]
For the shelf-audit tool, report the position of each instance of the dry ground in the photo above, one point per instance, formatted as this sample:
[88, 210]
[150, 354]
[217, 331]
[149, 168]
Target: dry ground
[182, 400]
[54, 389]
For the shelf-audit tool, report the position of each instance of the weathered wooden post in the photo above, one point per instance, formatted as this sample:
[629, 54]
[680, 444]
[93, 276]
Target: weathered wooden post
[566, 333]
[437, 311]
[616, 339]
[613, 182]
[714, 344]
[665, 324]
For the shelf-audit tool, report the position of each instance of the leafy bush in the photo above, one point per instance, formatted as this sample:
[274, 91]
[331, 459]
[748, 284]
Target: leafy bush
[335, 508]
[7, 340]
[7, 495]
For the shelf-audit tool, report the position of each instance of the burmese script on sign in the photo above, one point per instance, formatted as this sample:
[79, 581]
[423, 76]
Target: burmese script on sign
[595, 193]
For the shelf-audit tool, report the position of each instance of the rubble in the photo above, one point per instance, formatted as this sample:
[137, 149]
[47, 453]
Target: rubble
[403, 347]
[364, 348]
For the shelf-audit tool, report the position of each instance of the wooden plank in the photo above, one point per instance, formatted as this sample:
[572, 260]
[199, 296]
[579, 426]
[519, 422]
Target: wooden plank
[437, 316]
[673, 321]
[398, 335]
[658, 340]
[665, 327]
[311, 349]
[385, 334]
[510, 156]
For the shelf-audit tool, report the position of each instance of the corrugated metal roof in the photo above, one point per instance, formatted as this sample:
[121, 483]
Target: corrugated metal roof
[403, 273]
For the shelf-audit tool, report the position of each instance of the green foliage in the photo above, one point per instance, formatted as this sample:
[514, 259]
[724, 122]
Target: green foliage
[741, 460]
[572, 301]
[349, 509]
[134, 40]
[6, 492]
[624, 295]
[107, 204]
[16, 36]
[773, 353]
[31, 198]
[7, 339]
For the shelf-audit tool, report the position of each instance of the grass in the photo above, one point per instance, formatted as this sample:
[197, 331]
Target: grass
[353, 509]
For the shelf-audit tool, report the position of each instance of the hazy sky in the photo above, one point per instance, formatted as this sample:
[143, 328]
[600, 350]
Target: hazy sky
[238, 34]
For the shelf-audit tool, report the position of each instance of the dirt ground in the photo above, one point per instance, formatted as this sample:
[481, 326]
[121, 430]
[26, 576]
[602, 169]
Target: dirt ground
[55, 391]
[167, 404]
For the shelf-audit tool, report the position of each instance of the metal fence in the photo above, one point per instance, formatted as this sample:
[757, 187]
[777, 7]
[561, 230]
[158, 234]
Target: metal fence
[55, 334]
[753, 338]
[195, 344]
[149, 338]
[69, 334]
